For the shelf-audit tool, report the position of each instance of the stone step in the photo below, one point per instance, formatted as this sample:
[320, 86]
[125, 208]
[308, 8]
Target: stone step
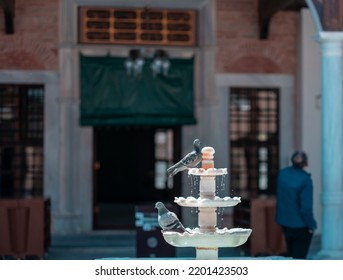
[95, 245]
[123, 245]
[89, 253]
[115, 238]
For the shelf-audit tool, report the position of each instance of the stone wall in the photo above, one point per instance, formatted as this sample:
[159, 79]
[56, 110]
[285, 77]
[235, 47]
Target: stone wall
[33, 46]
[239, 49]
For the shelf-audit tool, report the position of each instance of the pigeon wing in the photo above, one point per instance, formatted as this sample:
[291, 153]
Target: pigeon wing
[169, 221]
[191, 160]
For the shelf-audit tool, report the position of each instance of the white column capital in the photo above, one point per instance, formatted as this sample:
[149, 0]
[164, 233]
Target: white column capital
[330, 36]
[331, 43]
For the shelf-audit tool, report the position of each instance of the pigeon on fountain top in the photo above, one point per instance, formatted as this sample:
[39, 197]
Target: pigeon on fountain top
[191, 160]
[168, 220]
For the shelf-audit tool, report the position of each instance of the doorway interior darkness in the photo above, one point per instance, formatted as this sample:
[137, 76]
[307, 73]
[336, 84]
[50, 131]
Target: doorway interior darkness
[130, 165]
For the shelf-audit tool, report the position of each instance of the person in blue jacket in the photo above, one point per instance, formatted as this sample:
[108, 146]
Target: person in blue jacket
[294, 206]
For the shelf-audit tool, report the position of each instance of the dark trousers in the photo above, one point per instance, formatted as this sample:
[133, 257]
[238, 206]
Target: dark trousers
[298, 241]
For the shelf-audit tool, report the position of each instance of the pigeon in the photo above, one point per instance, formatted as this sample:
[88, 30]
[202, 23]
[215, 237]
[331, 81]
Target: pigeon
[168, 220]
[191, 160]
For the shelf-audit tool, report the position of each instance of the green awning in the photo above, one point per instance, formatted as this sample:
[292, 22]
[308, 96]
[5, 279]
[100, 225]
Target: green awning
[109, 96]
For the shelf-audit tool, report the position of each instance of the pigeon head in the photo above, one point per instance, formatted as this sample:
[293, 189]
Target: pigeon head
[197, 145]
[160, 207]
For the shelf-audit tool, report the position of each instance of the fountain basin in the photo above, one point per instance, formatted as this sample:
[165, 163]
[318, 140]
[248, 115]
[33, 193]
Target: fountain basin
[207, 172]
[220, 238]
[205, 202]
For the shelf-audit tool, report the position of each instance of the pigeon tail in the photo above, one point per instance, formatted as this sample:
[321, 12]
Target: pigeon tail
[176, 168]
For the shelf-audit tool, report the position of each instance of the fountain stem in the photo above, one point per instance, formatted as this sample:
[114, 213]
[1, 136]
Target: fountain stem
[207, 218]
[206, 253]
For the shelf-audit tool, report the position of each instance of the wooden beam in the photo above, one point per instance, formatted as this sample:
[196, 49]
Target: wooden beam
[9, 7]
[267, 8]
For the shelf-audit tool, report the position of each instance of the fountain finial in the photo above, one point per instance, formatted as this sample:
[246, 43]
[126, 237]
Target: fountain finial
[207, 158]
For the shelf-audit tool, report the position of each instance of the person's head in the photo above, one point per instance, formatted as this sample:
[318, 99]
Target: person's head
[299, 159]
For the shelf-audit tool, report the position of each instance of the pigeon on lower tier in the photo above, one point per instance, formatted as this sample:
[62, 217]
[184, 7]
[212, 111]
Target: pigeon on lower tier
[191, 160]
[168, 220]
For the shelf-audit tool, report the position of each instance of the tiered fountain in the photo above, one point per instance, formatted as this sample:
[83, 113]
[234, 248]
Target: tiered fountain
[207, 238]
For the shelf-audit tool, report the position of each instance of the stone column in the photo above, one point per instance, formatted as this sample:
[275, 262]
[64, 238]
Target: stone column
[332, 145]
[73, 200]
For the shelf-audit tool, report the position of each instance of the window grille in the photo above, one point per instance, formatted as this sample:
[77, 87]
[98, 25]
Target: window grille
[137, 26]
[21, 141]
[254, 139]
